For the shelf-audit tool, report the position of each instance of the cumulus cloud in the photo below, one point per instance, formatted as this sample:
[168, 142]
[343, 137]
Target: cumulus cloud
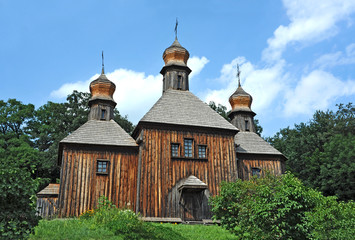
[196, 65]
[316, 91]
[310, 21]
[264, 84]
[337, 58]
[135, 92]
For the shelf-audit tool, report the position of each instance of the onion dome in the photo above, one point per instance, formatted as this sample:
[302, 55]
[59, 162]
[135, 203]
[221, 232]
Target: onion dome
[176, 55]
[102, 88]
[241, 100]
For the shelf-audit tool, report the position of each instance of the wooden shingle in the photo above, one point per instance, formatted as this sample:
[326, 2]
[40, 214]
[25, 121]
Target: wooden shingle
[184, 108]
[100, 133]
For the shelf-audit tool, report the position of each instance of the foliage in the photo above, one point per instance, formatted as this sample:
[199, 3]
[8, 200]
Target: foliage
[281, 207]
[109, 222]
[17, 203]
[18, 162]
[321, 152]
[222, 110]
[265, 208]
[332, 219]
[76, 229]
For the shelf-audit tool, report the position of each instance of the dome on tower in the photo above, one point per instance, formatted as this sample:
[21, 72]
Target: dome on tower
[176, 54]
[102, 88]
[241, 100]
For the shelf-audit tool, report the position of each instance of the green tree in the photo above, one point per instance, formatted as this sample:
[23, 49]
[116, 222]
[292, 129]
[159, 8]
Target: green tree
[321, 151]
[18, 161]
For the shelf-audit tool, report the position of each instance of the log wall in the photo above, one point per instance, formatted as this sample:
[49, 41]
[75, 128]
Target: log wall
[272, 163]
[81, 186]
[161, 174]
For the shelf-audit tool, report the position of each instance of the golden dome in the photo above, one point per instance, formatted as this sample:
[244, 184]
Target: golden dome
[241, 100]
[176, 54]
[102, 88]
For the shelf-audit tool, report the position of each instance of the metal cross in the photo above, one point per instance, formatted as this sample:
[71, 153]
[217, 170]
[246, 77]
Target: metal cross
[103, 67]
[238, 75]
[176, 25]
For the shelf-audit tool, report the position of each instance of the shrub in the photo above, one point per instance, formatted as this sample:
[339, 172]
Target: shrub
[266, 208]
[122, 222]
[17, 206]
[333, 220]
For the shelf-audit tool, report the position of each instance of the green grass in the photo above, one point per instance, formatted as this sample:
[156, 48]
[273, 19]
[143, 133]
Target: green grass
[79, 229]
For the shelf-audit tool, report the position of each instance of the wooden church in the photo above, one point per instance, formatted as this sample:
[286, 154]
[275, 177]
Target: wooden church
[179, 153]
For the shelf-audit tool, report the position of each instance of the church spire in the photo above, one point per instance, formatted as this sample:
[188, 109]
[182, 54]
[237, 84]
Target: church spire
[176, 27]
[241, 115]
[238, 75]
[175, 72]
[103, 65]
[101, 102]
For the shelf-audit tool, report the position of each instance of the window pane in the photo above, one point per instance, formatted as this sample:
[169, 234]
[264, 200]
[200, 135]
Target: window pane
[188, 147]
[202, 151]
[102, 166]
[103, 114]
[174, 150]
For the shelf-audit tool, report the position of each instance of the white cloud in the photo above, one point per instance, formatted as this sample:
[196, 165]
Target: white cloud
[196, 65]
[264, 84]
[310, 21]
[135, 92]
[316, 91]
[337, 58]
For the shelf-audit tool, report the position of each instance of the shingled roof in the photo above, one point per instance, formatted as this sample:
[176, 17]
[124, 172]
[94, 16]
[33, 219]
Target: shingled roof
[51, 190]
[184, 108]
[100, 133]
[193, 182]
[250, 142]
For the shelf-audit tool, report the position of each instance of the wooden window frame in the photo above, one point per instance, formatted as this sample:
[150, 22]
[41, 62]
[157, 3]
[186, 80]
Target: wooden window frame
[205, 151]
[107, 166]
[191, 149]
[178, 150]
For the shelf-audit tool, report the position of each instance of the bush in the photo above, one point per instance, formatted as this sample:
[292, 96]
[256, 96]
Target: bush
[281, 207]
[119, 221]
[17, 206]
[333, 220]
[266, 208]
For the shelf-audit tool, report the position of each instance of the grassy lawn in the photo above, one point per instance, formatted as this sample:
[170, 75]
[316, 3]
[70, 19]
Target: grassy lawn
[78, 229]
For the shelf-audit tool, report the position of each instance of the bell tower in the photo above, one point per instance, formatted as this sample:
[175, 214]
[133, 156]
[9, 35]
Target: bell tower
[175, 72]
[101, 102]
[241, 115]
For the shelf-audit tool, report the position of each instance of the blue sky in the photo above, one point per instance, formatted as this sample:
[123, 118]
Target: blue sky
[295, 56]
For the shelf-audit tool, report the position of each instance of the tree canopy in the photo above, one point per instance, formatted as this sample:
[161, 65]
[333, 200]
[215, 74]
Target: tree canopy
[321, 152]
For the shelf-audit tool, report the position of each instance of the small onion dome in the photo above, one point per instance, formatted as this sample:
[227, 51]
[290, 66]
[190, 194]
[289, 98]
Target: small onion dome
[102, 88]
[176, 54]
[241, 100]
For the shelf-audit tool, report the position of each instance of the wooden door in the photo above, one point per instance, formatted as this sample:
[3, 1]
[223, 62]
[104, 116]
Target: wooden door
[192, 206]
